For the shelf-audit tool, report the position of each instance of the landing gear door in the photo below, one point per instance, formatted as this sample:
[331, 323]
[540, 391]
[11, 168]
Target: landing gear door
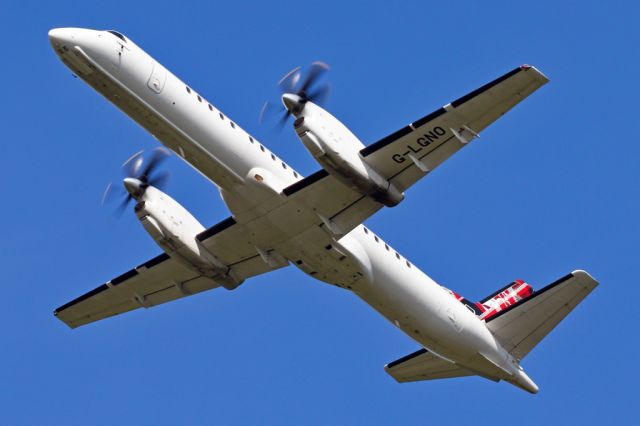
[158, 78]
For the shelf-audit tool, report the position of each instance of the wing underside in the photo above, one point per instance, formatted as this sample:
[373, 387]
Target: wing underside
[157, 281]
[414, 151]
[163, 279]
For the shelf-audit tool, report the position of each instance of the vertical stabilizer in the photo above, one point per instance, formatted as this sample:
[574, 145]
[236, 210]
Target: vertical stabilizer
[520, 327]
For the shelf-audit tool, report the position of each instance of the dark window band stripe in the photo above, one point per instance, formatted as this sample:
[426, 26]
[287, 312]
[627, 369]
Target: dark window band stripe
[309, 180]
[218, 227]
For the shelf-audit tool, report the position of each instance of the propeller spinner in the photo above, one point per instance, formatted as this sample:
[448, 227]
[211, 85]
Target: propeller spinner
[297, 89]
[139, 173]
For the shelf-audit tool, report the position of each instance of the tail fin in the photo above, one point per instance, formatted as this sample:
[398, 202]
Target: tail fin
[521, 326]
[502, 299]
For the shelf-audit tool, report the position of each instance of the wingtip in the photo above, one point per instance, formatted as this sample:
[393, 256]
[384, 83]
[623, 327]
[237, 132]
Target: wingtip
[584, 276]
[539, 74]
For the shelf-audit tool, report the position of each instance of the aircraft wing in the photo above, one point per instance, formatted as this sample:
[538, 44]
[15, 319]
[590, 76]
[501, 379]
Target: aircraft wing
[521, 326]
[330, 203]
[423, 365]
[163, 279]
[415, 150]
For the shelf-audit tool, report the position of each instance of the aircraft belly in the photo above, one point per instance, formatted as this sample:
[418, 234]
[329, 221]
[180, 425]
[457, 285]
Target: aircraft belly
[420, 307]
[404, 295]
[324, 259]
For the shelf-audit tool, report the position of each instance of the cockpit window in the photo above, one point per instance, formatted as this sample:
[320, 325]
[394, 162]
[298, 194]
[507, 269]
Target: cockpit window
[117, 34]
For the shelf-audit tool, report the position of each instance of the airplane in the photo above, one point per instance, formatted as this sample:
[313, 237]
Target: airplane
[279, 217]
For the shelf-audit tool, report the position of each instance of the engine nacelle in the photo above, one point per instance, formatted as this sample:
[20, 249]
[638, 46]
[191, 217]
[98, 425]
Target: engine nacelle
[174, 229]
[337, 150]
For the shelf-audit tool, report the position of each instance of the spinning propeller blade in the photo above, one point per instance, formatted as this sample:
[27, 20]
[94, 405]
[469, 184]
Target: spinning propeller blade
[300, 83]
[139, 173]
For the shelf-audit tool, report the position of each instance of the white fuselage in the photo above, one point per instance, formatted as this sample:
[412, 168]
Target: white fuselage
[195, 130]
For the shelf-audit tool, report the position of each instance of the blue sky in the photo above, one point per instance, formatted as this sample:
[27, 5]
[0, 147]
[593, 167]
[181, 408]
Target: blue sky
[551, 187]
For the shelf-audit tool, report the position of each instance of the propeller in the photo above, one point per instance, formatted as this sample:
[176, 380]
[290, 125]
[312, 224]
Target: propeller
[297, 88]
[139, 173]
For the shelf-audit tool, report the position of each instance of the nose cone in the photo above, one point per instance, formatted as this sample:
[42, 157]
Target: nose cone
[68, 38]
[59, 37]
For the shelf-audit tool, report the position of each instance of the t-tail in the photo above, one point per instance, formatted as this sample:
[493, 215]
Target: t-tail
[517, 316]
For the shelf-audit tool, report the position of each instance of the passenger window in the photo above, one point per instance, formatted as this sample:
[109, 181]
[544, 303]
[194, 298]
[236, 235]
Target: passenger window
[261, 148]
[199, 98]
[273, 157]
[210, 107]
[386, 246]
[232, 124]
[408, 264]
[221, 116]
[375, 237]
[284, 166]
[250, 139]
[366, 231]
[397, 255]
[295, 174]
[188, 89]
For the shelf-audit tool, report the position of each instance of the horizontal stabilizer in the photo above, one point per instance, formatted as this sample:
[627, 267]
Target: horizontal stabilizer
[424, 365]
[521, 326]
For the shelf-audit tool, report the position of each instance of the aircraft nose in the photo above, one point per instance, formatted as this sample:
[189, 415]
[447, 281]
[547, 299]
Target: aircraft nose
[59, 37]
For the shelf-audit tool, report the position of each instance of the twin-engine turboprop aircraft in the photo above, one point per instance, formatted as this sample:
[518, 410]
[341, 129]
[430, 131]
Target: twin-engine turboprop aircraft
[315, 223]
